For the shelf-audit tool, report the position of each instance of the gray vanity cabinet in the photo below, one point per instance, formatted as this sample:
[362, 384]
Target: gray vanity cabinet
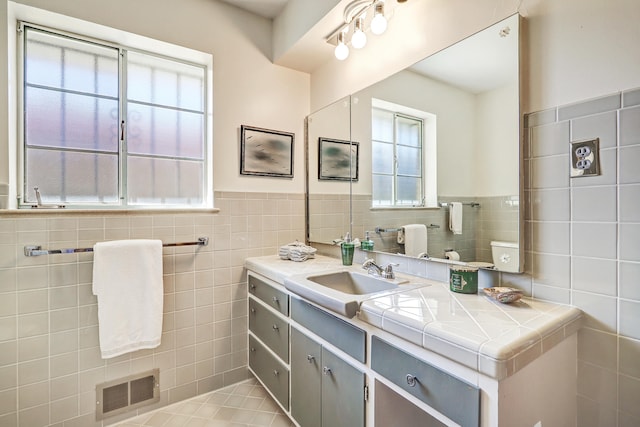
[326, 391]
[269, 337]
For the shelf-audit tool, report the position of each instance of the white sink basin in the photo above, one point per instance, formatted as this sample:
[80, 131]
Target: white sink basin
[342, 291]
[354, 283]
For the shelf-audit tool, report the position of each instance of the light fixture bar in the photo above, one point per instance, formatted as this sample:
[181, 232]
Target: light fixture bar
[359, 17]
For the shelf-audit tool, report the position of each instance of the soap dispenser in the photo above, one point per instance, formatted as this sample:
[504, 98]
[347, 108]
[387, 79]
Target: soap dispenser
[367, 243]
[347, 247]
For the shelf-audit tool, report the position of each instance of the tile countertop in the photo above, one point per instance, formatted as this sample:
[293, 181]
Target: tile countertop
[476, 331]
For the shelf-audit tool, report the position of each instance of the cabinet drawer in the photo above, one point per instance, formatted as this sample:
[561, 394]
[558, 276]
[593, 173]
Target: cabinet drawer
[451, 396]
[348, 338]
[270, 328]
[273, 373]
[271, 296]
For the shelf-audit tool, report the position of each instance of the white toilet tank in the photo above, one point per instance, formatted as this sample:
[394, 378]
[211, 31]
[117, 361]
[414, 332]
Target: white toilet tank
[506, 256]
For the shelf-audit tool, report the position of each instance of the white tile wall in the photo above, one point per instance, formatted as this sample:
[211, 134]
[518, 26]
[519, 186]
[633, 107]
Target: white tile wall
[49, 350]
[585, 245]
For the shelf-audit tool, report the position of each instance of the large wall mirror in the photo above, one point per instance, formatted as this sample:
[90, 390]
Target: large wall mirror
[397, 157]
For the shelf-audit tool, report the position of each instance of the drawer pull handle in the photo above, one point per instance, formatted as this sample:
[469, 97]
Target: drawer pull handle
[310, 358]
[275, 372]
[411, 380]
[253, 349]
[326, 370]
[252, 287]
[253, 310]
[275, 300]
[275, 327]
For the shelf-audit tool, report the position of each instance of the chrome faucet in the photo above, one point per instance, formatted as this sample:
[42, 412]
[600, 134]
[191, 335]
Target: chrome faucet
[384, 272]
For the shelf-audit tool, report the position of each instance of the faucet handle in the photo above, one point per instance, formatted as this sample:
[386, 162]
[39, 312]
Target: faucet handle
[388, 270]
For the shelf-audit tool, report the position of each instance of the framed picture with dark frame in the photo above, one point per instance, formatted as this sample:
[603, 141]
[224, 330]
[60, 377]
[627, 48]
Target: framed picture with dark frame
[334, 159]
[266, 152]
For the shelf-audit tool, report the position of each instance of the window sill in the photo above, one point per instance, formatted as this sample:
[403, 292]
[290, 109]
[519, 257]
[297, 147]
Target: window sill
[106, 212]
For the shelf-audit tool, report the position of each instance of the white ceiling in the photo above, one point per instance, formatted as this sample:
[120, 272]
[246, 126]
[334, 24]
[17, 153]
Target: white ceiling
[267, 8]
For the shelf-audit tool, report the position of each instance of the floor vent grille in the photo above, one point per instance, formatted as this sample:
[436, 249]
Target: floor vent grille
[126, 394]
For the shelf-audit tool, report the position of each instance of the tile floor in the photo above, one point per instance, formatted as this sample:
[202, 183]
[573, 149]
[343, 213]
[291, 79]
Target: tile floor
[240, 405]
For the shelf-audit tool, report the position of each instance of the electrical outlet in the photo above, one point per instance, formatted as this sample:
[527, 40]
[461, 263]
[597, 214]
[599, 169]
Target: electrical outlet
[585, 158]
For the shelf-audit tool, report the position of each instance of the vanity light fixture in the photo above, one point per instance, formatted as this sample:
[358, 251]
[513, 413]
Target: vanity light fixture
[356, 23]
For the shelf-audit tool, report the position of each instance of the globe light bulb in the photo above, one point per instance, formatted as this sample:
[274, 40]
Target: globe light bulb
[379, 22]
[359, 38]
[342, 51]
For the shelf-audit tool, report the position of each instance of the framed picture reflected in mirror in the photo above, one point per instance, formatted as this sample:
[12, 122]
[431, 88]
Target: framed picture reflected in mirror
[337, 159]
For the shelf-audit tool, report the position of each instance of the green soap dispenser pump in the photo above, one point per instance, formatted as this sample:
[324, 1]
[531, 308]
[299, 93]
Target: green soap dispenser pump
[347, 247]
[367, 243]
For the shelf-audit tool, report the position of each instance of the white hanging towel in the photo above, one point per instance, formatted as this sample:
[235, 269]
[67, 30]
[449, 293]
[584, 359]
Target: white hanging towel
[127, 279]
[415, 239]
[455, 217]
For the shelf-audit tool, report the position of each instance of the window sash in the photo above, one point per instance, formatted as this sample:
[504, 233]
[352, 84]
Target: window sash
[394, 176]
[191, 123]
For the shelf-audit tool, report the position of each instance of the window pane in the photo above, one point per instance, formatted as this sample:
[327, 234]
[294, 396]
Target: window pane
[409, 131]
[72, 117]
[163, 82]
[409, 191]
[382, 125]
[166, 132]
[382, 157]
[59, 119]
[64, 63]
[71, 177]
[382, 190]
[165, 181]
[409, 161]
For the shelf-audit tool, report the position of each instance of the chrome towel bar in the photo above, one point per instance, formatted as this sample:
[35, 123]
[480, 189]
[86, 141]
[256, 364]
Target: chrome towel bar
[447, 204]
[379, 230]
[32, 250]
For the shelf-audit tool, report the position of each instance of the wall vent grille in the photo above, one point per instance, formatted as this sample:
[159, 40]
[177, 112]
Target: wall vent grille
[126, 394]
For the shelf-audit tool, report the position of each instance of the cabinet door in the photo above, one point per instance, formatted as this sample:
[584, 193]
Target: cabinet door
[305, 379]
[391, 409]
[342, 393]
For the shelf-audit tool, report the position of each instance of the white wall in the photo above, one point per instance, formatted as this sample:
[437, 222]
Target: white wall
[247, 88]
[496, 142]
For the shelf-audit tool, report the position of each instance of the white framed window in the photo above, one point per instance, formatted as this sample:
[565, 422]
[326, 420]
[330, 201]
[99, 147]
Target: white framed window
[403, 156]
[103, 125]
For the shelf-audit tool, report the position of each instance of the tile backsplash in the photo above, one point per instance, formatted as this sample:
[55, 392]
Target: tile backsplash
[49, 350]
[495, 218]
[583, 244]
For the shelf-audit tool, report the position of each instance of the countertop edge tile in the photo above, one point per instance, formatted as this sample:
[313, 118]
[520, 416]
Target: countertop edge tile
[452, 351]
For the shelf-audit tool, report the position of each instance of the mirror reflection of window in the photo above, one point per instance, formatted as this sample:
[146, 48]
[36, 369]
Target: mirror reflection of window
[400, 159]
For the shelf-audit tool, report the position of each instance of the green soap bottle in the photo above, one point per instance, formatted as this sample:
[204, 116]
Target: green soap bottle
[347, 247]
[367, 243]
